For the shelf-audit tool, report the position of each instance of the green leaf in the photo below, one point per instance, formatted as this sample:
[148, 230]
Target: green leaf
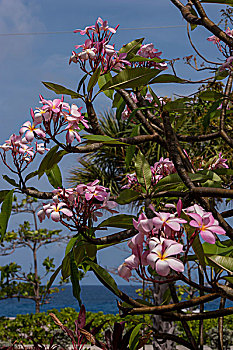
[61, 90]
[177, 105]
[144, 59]
[52, 157]
[103, 139]
[91, 250]
[10, 181]
[228, 278]
[3, 195]
[75, 277]
[103, 79]
[131, 48]
[79, 252]
[71, 243]
[52, 278]
[224, 262]
[120, 221]
[54, 176]
[65, 266]
[220, 75]
[134, 337]
[210, 95]
[210, 113]
[155, 97]
[127, 196]
[216, 249]
[117, 101]
[31, 175]
[93, 79]
[131, 78]
[104, 277]
[46, 161]
[223, 171]
[167, 78]
[143, 170]
[130, 151]
[5, 213]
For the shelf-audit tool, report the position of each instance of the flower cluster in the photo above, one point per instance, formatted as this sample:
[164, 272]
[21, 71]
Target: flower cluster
[159, 170]
[97, 51]
[148, 51]
[22, 152]
[78, 205]
[58, 116]
[158, 242]
[217, 41]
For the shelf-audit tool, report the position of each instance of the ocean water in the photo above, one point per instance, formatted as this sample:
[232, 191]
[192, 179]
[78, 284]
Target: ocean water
[95, 298]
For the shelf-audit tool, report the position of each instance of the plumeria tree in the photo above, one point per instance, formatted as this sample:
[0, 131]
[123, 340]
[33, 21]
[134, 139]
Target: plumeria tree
[179, 191]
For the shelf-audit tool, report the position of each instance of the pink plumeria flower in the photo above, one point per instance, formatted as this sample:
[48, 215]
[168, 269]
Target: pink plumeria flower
[84, 31]
[72, 133]
[75, 116]
[40, 148]
[53, 106]
[167, 222]
[56, 209]
[207, 226]
[40, 115]
[95, 191]
[30, 129]
[219, 163]
[161, 258]
[104, 26]
[143, 225]
[124, 271]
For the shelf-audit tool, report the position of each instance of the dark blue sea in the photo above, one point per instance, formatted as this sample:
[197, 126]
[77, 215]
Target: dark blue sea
[95, 298]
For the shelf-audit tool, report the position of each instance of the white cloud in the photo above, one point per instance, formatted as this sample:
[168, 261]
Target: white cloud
[18, 16]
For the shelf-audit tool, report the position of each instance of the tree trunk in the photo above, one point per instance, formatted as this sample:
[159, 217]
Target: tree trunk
[158, 324]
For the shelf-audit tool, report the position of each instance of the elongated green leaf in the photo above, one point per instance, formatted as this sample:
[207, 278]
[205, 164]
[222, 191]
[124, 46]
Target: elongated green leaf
[210, 114]
[104, 277]
[120, 221]
[134, 337]
[65, 266]
[229, 279]
[10, 181]
[3, 195]
[117, 100]
[211, 95]
[220, 75]
[54, 176]
[52, 278]
[93, 80]
[103, 139]
[167, 78]
[180, 104]
[131, 78]
[75, 277]
[31, 175]
[131, 48]
[103, 79]
[61, 90]
[217, 249]
[224, 262]
[155, 97]
[143, 171]
[127, 196]
[130, 151]
[78, 253]
[71, 243]
[91, 250]
[46, 160]
[144, 59]
[223, 171]
[5, 213]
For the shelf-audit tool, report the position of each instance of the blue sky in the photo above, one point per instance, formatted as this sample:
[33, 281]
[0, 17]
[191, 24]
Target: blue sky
[27, 60]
